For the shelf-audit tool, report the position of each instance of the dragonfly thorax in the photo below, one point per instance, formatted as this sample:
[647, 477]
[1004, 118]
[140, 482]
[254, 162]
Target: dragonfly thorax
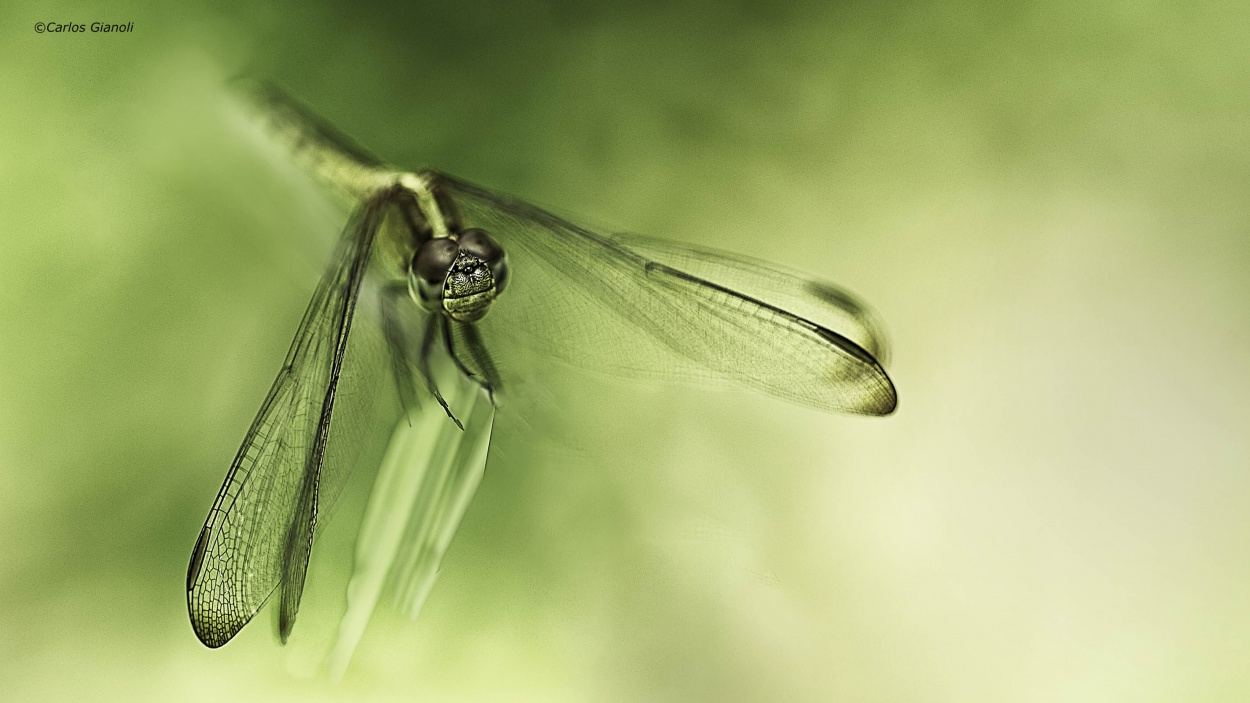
[460, 275]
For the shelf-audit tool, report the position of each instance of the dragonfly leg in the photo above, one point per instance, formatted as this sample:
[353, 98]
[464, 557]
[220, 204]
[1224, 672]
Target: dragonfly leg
[477, 351]
[398, 342]
[423, 365]
[449, 340]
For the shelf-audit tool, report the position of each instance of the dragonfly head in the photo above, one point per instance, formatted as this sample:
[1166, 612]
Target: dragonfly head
[459, 276]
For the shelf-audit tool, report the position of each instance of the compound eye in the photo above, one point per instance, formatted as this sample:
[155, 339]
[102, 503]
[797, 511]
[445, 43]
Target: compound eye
[480, 244]
[433, 260]
[429, 269]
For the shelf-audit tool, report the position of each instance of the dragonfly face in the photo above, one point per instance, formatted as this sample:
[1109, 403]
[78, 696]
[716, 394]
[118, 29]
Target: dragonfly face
[459, 275]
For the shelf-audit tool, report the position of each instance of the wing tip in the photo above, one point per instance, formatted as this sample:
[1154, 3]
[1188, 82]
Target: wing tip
[212, 643]
[285, 625]
[210, 637]
[885, 401]
[889, 400]
[888, 406]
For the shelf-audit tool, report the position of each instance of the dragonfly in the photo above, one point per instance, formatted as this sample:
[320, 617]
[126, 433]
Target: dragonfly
[470, 294]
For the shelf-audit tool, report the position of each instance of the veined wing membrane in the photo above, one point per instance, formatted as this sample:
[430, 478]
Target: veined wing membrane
[631, 305]
[817, 301]
[259, 532]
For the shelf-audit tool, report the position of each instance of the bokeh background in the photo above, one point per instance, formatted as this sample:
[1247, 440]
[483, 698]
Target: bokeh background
[1046, 202]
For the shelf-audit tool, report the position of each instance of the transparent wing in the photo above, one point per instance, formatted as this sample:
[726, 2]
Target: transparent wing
[259, 532]
[642, 307]
[818, 301]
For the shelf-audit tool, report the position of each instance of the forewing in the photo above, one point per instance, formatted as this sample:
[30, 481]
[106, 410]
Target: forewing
[818, 301]
[259, 531]
[639, 307]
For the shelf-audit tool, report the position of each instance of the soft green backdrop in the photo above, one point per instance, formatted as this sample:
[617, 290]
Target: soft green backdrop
[1047, 203]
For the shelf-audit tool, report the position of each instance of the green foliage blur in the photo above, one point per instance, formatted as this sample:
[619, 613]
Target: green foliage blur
[1046, 203]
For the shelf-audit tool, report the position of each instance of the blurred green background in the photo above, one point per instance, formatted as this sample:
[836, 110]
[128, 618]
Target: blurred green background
[1047, 203]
